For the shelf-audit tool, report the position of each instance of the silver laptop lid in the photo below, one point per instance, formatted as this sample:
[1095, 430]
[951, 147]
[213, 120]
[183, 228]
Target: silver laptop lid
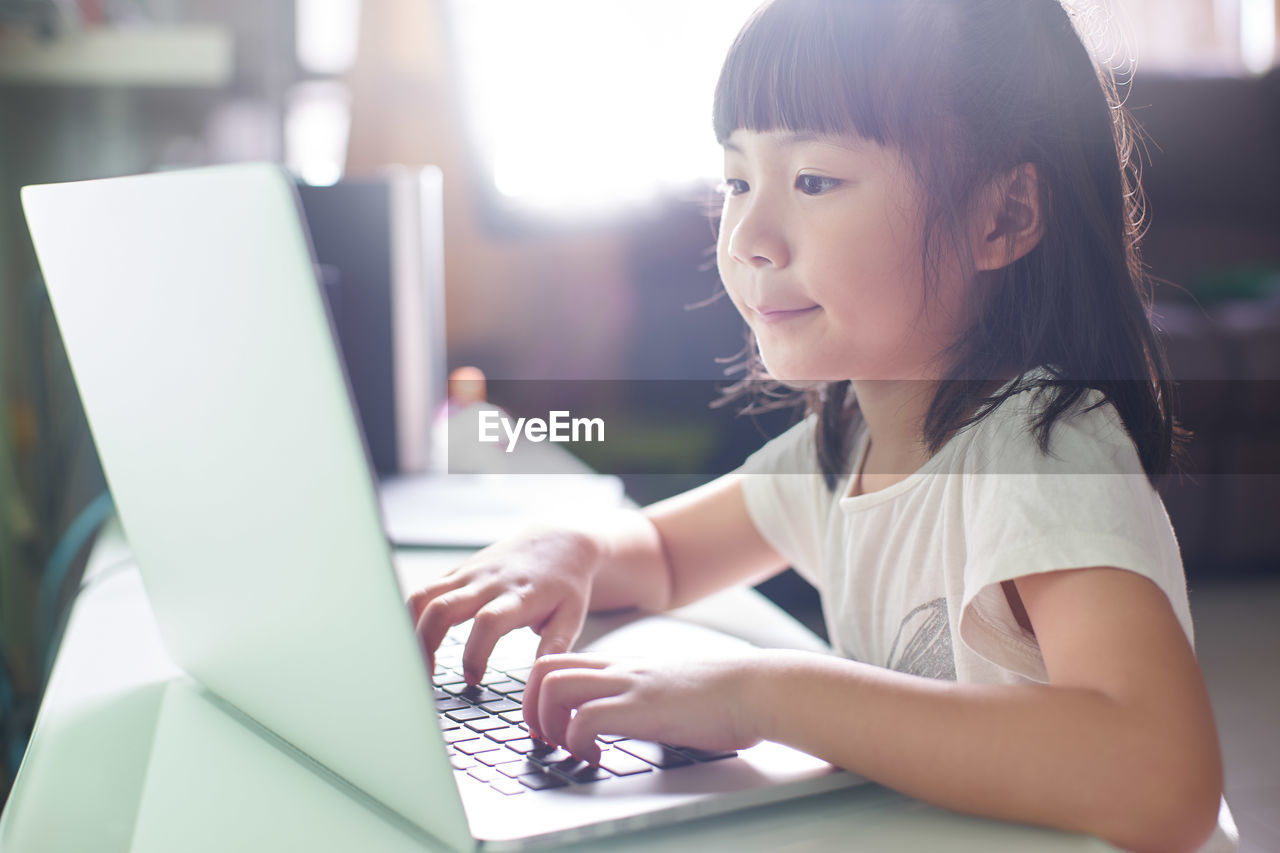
[205, 358]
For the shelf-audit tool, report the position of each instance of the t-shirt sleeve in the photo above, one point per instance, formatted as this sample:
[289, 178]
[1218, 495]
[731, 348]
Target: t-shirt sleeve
[1086, 503]
[787, 499]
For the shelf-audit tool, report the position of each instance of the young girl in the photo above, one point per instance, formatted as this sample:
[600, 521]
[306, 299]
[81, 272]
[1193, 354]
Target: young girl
[929, 224]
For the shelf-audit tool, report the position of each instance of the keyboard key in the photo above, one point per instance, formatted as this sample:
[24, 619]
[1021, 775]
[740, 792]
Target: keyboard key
[518, 696]
[501, 706]
[481, 773]
[508, 733]
[523, 745]
[519, 768]
[455, 735]
[621, 764]
[589, 773]
[466, 715]
[544, 754]
[521, 674]
[579, 772]
[471, 747]
[453, 688]
[497, 757]
[507, 685]
[477, 695]
[706, 754]
[510, 787]
[462, 762]
[487, 724]
[513, 717]
[610, 738]
[540, 781]
[450, 703]
[654, 753]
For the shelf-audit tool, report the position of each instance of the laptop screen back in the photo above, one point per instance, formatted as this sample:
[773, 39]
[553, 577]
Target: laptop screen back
[205, 358]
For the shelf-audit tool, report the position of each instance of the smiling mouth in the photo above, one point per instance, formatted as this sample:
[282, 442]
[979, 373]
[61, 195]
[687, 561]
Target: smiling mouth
[771, 316]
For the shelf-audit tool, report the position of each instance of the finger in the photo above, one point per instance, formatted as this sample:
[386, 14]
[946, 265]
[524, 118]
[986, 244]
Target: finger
[565, 689]
[420, 599]
[561, 630]
[533, 687]
[494, 619]
[608, 715]
[445, 611]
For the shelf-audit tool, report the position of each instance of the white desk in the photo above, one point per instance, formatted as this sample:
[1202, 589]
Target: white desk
[127, 755]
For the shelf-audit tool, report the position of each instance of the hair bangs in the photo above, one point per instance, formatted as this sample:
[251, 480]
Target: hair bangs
[787, 70]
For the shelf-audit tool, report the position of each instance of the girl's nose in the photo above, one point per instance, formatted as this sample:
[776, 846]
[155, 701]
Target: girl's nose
[757, 239]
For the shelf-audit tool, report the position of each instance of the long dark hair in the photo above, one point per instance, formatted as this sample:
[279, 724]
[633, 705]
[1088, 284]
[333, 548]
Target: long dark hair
[969, 90]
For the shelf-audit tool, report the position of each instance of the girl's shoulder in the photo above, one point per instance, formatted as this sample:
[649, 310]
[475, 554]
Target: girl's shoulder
[1088, 437]
[792, 452]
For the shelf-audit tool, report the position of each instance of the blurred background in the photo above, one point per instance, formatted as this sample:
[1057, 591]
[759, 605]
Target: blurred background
[578, 160]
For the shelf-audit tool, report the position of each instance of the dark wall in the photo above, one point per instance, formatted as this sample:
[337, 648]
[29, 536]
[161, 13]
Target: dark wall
[1212, 182]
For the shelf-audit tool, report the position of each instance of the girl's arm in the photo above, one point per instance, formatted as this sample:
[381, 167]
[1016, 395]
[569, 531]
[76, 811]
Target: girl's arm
[674, 552]
[1121, 744]
[681, 549]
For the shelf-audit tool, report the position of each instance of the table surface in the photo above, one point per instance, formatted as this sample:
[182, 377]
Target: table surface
[128, 755]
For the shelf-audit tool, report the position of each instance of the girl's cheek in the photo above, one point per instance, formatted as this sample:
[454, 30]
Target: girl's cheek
[737, 303]
[725, 267]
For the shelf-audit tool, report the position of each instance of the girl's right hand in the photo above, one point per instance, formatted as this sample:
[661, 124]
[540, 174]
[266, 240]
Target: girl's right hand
[541, 579]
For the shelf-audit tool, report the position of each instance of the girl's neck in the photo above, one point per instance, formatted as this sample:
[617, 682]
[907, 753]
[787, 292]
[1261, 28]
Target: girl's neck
[894, 413]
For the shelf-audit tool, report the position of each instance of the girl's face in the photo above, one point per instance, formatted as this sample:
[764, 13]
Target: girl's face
[820, 249]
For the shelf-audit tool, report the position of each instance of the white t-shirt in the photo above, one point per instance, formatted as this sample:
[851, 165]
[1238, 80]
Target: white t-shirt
[910, 575]
[905, 571]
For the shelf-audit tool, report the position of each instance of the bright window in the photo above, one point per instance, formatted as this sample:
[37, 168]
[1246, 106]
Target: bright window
[1199, 36]
[579, 105]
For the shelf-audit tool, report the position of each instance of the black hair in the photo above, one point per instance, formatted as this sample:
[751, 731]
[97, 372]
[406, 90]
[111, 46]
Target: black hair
[969, 90]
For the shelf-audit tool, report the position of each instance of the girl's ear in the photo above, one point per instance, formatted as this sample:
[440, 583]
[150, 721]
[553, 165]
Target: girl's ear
[1009, 222]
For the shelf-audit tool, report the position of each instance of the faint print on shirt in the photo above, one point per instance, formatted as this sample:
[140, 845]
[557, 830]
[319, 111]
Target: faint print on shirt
[923, 644]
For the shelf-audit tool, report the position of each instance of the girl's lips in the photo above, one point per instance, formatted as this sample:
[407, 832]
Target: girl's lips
[781, 315]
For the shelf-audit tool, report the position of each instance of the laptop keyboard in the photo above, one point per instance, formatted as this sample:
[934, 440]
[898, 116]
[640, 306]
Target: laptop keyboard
[487, 738]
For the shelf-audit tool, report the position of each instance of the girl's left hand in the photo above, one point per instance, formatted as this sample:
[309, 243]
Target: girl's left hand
[572, 698]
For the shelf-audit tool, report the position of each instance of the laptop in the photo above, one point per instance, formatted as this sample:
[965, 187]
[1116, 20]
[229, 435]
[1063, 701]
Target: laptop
[204, 354]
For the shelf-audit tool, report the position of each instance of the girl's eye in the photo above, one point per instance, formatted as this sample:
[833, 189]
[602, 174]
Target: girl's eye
[732, 186]
[816, 184]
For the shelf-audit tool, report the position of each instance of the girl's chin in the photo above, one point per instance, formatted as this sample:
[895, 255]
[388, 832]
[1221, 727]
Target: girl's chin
[799, 374]
[795, 366]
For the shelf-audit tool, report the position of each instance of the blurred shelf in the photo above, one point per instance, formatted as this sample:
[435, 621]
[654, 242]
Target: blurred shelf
[188, 55]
